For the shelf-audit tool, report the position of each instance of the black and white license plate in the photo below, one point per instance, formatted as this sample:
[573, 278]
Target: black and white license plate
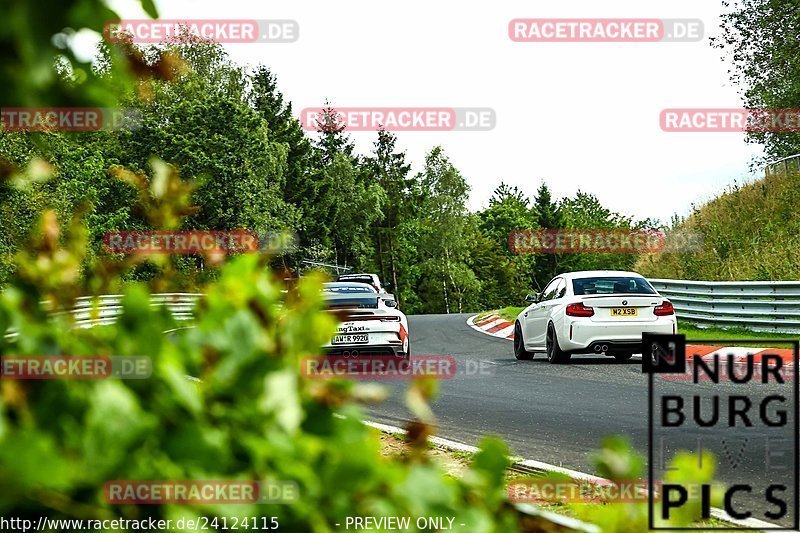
[358, 338]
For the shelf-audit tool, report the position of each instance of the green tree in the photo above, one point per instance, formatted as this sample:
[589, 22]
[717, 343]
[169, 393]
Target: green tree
[299, 176]
[332, 136]
[447, 277]
[508, 210]
[760, 38]
[505, 276]
[206, 112]
[349, 206]
[389, 169]
[548, 216]
[584, 211]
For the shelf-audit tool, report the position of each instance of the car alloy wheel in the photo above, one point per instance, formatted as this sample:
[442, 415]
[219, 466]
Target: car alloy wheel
[555, 354]
[519, 345]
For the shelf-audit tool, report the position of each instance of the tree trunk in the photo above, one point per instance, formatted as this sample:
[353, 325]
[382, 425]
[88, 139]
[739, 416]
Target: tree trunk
[450, 276]
[380, 254]
[395, 288]
[446, 301]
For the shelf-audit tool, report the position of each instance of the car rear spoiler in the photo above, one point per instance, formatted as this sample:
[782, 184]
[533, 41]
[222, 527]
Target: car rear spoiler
[351, 301]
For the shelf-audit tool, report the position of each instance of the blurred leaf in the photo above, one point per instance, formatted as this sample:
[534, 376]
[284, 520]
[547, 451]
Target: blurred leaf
[150, 8]
[281, 399]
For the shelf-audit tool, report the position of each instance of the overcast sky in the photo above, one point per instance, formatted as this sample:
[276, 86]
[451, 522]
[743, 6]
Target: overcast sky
[576, 115]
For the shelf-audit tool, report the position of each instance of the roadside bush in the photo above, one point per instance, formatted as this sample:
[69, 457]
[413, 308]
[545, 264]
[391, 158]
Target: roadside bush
[251, 416]
[618, 461]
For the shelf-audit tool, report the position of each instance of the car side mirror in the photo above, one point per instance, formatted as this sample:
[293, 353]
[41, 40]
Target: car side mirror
[532, 298]
[390, 303]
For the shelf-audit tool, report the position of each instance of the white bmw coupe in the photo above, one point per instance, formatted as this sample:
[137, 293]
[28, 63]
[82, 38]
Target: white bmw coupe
[596, 312]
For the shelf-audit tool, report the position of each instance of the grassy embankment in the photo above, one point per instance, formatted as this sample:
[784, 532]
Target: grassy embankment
[750, 232]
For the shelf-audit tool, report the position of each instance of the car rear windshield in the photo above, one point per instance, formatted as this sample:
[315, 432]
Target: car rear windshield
[348, 289]
[611, 285]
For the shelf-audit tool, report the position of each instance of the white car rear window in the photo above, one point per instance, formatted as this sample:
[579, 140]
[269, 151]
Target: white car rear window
[611, 285]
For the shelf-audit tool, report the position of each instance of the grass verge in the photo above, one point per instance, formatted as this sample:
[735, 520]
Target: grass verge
[508, 313]
[455, 463]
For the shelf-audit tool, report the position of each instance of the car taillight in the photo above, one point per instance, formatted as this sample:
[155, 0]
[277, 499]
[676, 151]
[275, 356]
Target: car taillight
[579, 310]
[665, 309]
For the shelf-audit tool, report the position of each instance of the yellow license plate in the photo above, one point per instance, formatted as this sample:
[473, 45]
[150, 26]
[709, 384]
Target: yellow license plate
[624, 311]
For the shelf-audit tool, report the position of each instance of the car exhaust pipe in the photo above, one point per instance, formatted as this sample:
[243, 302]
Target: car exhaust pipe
[605, 348]
[596, 348]
[346, 353]
[354, 353]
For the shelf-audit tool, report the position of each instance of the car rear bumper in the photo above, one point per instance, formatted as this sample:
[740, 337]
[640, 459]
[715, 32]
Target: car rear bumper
[611, 347]
[383, 338]
[583, 336]
[356, 350]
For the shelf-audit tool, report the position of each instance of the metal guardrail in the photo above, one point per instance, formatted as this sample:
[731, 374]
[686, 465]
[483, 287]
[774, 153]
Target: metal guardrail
[784, 164]
[768, 306]
[103, 310]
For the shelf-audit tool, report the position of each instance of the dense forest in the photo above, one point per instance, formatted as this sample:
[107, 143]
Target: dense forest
[232, 135]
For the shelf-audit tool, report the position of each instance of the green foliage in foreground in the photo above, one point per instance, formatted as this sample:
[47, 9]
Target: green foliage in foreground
[252, 416]
[600, 504]
[618, 461]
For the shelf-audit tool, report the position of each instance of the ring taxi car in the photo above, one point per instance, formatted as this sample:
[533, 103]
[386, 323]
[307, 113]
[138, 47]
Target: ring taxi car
[373, 325]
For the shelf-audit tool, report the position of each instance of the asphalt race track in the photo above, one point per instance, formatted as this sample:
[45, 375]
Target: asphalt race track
[552, 413]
